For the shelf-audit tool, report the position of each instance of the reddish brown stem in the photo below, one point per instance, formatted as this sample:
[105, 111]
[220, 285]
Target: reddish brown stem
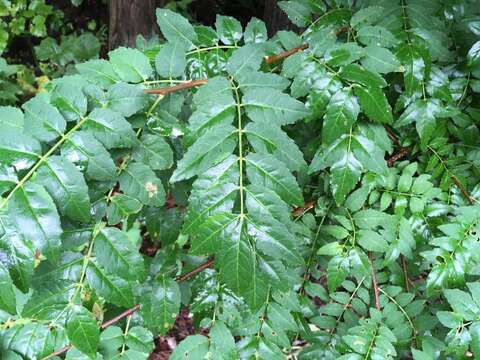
[119, 317]
[391, 135]
[397, 156]
[374, 283]
[462, 189]
[405, 274]
[130, 311]
[193, 83]
[195, 271]
[58, 352]
[284, 54]
[298, 211]
[183, 86]
[342, 30]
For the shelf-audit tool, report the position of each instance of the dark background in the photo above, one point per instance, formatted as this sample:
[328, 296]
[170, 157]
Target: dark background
[127, 18]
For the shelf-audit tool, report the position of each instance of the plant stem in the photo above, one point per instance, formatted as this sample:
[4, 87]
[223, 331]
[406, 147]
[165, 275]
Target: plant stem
[40, 161]
[240, 145]
[374, 282]
[183, 86]
[130, 311]
[125, 334]
[195, 271]
[283, 55]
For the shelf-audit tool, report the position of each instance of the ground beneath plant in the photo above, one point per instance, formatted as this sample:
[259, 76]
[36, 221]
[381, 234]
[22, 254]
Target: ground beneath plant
[164, 345]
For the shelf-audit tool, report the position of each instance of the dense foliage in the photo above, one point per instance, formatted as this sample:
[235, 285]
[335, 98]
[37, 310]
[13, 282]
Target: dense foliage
[331, 178]
[43, 39]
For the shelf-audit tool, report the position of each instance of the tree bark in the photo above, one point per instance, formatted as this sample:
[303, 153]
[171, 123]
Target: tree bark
[275, 19]
[129, 18]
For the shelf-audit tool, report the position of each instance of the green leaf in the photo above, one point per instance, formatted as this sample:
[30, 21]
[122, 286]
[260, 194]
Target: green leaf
[42, 120]
[229, 29]
[222, 341]
[255, 32]
[131, 65]
[380, 60]
[170, 61]
[160, 304]
[121, 206]
[99, 72]
[289, 39]
[10, 355]
[338, 232]
[345, 168]
[423, 113]
[118, 255]
[348, 157]
[242, 271]
[110, 128]
[371, 241]
[126, 99]
[298, 12]
[367, 15]
[140, 339]
[140, 182]
[246, 58]
[89, 155]
[272, 237]
[206, 35]
[438, 43]
[343, 54]
[255, 79]
[374, 103]
[12, 119]
[342, 113]
[357, 73]
[473, 56]
[19, 150]
[449, 319]
[66, 185]
[28, 340]
[462, 303]
[215, 105]
[321, 42]
[176, 28]
[270, 139]
[49, 300]
[17, 253]
[376, 36]
[75, 354]
[414, 65]
[68, 97]
[83, 331]
[475, 334]
[207, 237]
[330, 249]
[400, 236]
[117, 290]
[266, 170]
[7, 292]
[214, 190]
[370, 219]
[193, 347]
[210, 149]
[33, 212]
[273, 106]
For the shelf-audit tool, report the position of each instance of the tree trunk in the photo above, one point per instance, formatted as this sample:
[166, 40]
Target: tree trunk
[129, 18]
[276, 19]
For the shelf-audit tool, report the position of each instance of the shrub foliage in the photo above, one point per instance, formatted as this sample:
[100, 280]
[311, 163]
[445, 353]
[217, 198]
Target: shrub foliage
[310, 195]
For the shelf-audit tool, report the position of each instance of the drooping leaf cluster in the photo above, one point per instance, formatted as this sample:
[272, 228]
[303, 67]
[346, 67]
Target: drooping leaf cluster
[334, 189]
